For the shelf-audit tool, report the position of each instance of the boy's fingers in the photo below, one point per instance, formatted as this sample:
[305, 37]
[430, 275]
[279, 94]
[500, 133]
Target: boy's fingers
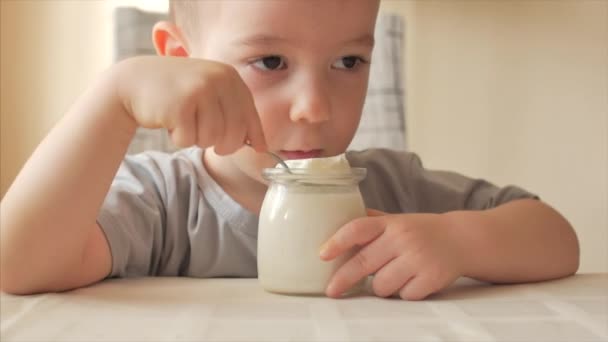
[207, 115]
[367, 261]
[255, 133]
[417, 288]
[392, 277]
[358, 232]
[183, 133]
[232, 136]
[374, 212]
[237, 104]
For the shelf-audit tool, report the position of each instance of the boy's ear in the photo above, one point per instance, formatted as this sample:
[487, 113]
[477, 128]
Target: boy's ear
[169, 40]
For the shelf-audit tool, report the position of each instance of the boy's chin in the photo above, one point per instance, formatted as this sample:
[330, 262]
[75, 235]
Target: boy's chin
[252, 163]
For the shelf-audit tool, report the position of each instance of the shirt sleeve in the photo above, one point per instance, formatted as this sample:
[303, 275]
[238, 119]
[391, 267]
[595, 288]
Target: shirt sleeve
[397, 182]
[441, 191]
[132, 217]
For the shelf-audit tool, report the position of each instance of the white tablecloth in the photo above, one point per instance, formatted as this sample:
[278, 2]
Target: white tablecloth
[179, 309]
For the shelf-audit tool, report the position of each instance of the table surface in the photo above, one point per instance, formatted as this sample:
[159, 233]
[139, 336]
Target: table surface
[182, 309]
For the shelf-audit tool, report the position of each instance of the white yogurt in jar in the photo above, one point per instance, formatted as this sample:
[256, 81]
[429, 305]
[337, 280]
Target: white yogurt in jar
[301, 211]
[335, 164]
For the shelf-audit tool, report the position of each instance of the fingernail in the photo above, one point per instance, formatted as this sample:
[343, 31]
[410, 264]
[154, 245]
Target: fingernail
[330, 291]
[323, 251]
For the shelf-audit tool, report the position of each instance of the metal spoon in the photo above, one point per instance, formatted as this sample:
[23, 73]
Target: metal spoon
[275, 157]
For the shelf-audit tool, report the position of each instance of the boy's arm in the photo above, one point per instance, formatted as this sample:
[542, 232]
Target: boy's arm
[462, 227]
[49, 239]
[416, 255]
[520, 241]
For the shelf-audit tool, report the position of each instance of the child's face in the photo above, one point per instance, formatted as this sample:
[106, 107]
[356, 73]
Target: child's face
[306, 64]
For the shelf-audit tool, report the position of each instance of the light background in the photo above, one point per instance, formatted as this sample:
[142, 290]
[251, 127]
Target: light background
[511, 91]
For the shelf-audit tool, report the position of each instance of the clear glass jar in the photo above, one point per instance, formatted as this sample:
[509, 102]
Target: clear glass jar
[300, 212]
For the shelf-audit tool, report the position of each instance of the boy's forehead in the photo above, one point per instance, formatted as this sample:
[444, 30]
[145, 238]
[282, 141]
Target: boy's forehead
[292, 8]
[330, 18]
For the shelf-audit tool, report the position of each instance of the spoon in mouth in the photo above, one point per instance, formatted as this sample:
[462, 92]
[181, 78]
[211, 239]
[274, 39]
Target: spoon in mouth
[275, 157]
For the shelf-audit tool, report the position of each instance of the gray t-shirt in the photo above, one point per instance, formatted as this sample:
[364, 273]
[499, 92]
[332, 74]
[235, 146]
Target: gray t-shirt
[164, 214]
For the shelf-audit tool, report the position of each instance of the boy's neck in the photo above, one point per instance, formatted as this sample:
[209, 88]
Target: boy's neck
[246, 191]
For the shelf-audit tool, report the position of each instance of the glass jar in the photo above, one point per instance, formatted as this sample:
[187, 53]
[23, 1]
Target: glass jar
[302, 209]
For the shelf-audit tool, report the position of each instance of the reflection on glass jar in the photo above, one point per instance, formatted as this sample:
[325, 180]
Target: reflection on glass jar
[301, 211]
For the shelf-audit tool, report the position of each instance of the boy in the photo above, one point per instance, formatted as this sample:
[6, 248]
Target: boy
[290, 77]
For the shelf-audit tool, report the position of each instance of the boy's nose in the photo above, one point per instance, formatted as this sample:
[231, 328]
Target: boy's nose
[311, 104]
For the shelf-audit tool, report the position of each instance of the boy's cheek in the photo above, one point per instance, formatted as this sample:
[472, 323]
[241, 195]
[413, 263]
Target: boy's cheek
[252, 79]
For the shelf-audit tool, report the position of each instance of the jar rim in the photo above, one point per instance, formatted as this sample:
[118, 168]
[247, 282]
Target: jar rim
[353, 174]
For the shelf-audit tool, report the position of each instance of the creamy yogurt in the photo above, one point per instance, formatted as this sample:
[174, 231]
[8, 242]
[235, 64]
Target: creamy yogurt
[301, 211]
[335, 164]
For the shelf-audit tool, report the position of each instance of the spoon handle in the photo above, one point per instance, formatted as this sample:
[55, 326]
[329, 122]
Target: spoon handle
[275, 157]
[279, 160]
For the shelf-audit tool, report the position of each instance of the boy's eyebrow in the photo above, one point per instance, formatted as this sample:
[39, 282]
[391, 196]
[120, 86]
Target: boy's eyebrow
[366, 39]
[265, 39]
[259, 39]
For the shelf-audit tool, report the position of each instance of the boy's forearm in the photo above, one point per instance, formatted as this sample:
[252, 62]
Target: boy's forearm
[520, 241]
[49, 209]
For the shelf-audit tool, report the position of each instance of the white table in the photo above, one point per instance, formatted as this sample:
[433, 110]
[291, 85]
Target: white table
[179, 309]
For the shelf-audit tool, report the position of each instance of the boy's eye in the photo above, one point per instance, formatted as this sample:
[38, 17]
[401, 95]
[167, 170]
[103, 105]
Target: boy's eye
[348, 62]
[270, 63]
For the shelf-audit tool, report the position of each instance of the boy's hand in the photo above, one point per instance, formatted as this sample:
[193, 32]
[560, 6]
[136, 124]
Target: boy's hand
[411, 254]
[200, 102]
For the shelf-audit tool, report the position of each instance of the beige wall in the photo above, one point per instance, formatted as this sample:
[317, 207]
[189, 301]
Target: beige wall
[516, 92]
[513, 91]
[50, 51]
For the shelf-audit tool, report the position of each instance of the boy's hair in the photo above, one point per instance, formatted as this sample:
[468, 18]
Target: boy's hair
[181, 14]
[178, 8]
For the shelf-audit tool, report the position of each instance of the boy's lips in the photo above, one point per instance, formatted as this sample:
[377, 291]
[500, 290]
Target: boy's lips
[300, 154]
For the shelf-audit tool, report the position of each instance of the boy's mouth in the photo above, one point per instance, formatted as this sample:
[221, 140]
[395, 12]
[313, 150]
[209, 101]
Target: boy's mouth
[300, 154]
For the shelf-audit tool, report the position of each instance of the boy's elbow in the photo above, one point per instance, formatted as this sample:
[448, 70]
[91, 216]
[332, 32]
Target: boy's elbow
[566, 242]
[575, 256]
[15, 278]
[14, 281]
[14, 289]
[12, 284]
[575, 266]
[21, 285]
[571, 249]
